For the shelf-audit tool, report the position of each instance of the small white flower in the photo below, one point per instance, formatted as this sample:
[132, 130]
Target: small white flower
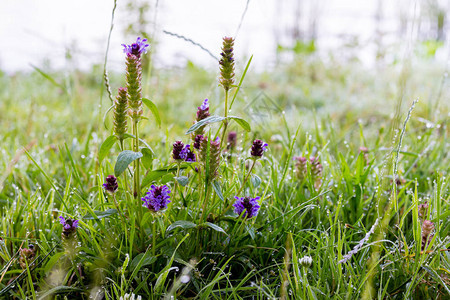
[306, 261]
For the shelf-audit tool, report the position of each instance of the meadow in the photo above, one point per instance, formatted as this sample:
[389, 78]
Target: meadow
[349, 199]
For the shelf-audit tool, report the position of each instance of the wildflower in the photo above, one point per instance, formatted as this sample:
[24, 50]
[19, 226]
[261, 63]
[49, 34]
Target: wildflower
[177, 150]
[134, 76]
[305, 261]
[187, 154]
[197, 141]
[111, 185]
[131, 296]
[157, 198]
[227, 64]
[120, 113]
[203, 111]
[258, 148]
[427, 233]
[27, 256]
[136, 48]
[301, 167]
[316, 171]
[232, 140]
[69, 225]
[246, 206]
[214, 156]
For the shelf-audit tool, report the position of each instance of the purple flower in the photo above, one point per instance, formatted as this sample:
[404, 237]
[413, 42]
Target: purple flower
[205, 105]
[197, 141]
[136, 48]
[203, 111]
[157, 198]
[187, 154]
[111, 185]
[246, 206]
[177, 150]
[69, 225]
[258, 148]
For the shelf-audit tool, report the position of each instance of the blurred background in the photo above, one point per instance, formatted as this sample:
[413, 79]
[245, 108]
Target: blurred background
[55, 35]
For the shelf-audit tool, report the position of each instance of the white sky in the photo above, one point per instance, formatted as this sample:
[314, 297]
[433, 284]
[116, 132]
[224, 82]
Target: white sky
[32, 31]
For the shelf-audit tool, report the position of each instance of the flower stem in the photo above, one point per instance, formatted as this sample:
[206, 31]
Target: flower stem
[136, 162]
[246, 177]
[154, 236]
[225, 122]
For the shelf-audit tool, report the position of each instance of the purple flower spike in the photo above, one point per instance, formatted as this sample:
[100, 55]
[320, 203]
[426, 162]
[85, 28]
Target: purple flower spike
[258, 148]
[69, 225]
[203, 111]
[246, 206]
[136, 48]
[187, 154]
[177, 150]
[111, 185]
[205, 105]
[157, 198]
[197, 141]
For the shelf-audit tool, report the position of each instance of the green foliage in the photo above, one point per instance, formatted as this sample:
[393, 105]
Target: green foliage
[56, 155]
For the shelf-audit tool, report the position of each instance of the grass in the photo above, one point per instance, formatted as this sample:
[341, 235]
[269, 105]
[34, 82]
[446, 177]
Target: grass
[199, 248]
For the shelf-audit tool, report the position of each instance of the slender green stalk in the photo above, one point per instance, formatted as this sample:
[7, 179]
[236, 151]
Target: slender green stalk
[246, 177]
[153, 235]
[137, 189]
[225, 122]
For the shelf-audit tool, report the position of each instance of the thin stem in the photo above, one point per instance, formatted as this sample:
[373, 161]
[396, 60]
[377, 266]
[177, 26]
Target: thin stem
[154, 236]
[136, 162]
[207, 191]
[245, 179]
[225, 122]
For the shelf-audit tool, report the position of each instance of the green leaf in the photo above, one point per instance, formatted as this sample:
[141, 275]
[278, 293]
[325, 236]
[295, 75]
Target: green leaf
[153, 109]
[106, 147]
[213, 226]
[167, 178]
[204, 122]
[156, 174]
[60, 289]
[152, 176]
[182, 224]
[244, 124]
[147, 158]
[182, 180]
[124, 160]
[218, 189]
[142, 259]
[100, 214]
[256, 180]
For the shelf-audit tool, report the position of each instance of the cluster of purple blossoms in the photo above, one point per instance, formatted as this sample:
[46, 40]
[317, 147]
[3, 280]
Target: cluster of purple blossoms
[203, 111]
[136, 48]
[183, 152]
[69, 225]
[157, 198]
[246, 206]
[197, 141]
[111, 185]
[187, 154]
[258, 148]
